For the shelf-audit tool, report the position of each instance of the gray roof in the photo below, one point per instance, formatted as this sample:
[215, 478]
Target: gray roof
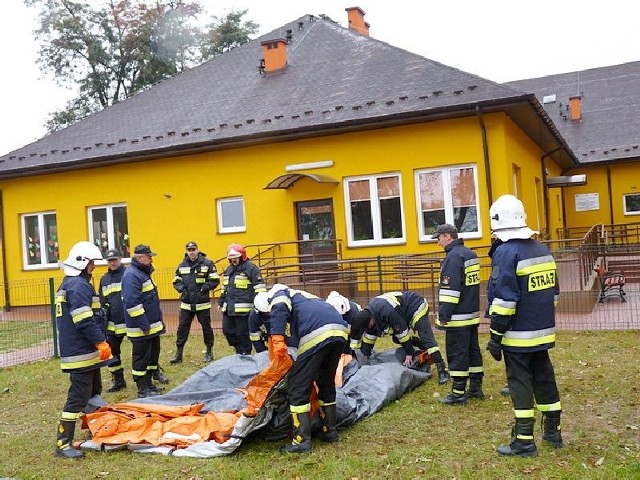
[335, 80]
[609, 130]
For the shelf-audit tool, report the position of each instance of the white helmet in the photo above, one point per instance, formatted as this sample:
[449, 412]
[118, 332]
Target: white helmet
[340, 303]
[276, 288]
[508, 219]
[79, 257]
[261, 302]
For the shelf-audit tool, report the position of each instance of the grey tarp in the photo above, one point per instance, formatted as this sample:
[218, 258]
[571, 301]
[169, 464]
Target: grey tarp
[366, 389]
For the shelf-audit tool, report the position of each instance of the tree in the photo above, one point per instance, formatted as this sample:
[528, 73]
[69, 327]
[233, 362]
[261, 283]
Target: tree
[111, 49]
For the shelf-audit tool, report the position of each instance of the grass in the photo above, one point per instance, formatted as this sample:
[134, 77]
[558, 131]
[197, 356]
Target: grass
[15, 334]
[415, 437]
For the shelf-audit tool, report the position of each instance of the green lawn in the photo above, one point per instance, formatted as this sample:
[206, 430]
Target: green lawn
[415, 437]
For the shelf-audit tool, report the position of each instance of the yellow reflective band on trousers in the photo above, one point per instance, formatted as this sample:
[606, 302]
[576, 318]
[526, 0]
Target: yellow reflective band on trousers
[532, 338]
[325, 404]
[421, 312]
[476, 370]
[138, 373]
[199, 306]
[354, 344]
[80, 314]
[368, 338]
[551, 407]
[255, 336]
[526, 413]
[70, 416]
[449, 296]
[300, 408]
[319, 335]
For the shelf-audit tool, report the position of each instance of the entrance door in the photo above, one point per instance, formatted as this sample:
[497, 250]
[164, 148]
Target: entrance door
[316, 231]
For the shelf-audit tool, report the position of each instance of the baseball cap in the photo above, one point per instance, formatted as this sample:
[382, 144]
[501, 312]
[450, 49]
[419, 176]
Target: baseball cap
[144, 250]
[191, 244]
[113, 253]
[444, 228]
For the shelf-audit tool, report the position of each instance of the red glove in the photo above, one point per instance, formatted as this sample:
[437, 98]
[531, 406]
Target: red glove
[104, 350]
[279, 346]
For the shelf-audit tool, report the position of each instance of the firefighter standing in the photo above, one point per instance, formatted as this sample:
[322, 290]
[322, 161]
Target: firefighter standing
[403, 312]
[459, 315]
[143, 317]
[240, 283]
[522, 294]
[195, 278]
[111, 301]
[320, 335]
[82, 340]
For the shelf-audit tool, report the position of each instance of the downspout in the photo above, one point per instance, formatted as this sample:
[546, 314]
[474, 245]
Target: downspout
[485, 152]
[610, 195]
[545, 192]
[5, 279]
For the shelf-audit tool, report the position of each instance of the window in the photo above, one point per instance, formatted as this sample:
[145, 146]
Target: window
[231, 215]
[374, 210]
[448, 195]
[108, 228]
[40, 240]
[631, 204]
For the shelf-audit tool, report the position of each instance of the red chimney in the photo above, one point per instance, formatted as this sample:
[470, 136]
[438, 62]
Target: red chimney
[576, 107]
[274, 53]
[356, 20]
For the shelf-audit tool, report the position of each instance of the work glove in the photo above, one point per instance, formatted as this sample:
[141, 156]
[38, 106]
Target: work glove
[495, 349]
[279, 346]
[104, 350]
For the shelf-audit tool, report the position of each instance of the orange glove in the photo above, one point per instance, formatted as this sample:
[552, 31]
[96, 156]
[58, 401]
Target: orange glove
[279, 346]
[104, 350]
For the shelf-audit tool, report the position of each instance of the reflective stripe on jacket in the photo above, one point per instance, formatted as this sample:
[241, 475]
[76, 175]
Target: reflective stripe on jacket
[111, 301]
[240, 283]
[141, 303]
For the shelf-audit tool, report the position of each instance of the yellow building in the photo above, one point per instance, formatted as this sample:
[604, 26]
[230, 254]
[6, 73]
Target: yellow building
[335, 136]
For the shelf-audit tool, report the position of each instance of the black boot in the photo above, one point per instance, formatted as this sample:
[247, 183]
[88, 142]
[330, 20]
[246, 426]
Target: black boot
[301, 441]
[208, 356]
[522, 444]
[329, 417]
[475, 386]
[64, 445]
[457, 395]
[153, 387]
[177, 358]
[144, 386]
[551, 432]
[443, 375]
[118, 382]
[159, 376]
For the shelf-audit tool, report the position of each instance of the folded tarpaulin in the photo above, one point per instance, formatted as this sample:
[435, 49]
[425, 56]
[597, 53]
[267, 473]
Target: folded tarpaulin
[217, 407]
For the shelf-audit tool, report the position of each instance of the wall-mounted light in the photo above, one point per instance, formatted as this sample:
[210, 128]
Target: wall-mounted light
[167, 195]
[308, 166]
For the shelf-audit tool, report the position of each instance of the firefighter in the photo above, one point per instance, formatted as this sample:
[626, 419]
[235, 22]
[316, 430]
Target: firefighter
[195, 278]
[459, 315]
[522, 294]
[240, 282]
[320, 334]
[82, 340]
[349, 310]
[403, 312]
[111, 301]
[143, 317]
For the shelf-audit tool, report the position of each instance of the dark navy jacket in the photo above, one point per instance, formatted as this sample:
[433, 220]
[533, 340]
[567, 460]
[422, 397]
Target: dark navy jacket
[141, 303]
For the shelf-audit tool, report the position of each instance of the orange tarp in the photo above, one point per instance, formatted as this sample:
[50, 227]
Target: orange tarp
[180, 426]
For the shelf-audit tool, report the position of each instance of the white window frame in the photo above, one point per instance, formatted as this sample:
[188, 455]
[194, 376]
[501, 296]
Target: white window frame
[375, 212]
[235, 228]
[111, 241]
[624, 204]
[448, 202]
[41, 233]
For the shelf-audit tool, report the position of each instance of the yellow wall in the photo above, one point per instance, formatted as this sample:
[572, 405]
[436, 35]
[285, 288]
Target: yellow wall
[171, 201]
[624, 179]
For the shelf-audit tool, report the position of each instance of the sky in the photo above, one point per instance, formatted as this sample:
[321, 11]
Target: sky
[501, 40]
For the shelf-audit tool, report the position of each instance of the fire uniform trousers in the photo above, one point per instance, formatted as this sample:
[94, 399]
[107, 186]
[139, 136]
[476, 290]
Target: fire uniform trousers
[320, 334]
[194, 280]
[111, 301]
[522, 293]
[81, 325]
[143, 318]
[403, 312]
[240, 283]
[459, 311]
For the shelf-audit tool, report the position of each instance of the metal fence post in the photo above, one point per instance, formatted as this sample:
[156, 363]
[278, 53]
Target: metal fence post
[54, 329]
[380, 274]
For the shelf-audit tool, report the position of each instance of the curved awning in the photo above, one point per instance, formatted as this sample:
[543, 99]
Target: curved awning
[288, 179]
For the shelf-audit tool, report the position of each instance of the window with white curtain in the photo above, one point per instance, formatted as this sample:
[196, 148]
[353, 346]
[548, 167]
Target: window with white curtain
[108, 228]
[40, 240]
